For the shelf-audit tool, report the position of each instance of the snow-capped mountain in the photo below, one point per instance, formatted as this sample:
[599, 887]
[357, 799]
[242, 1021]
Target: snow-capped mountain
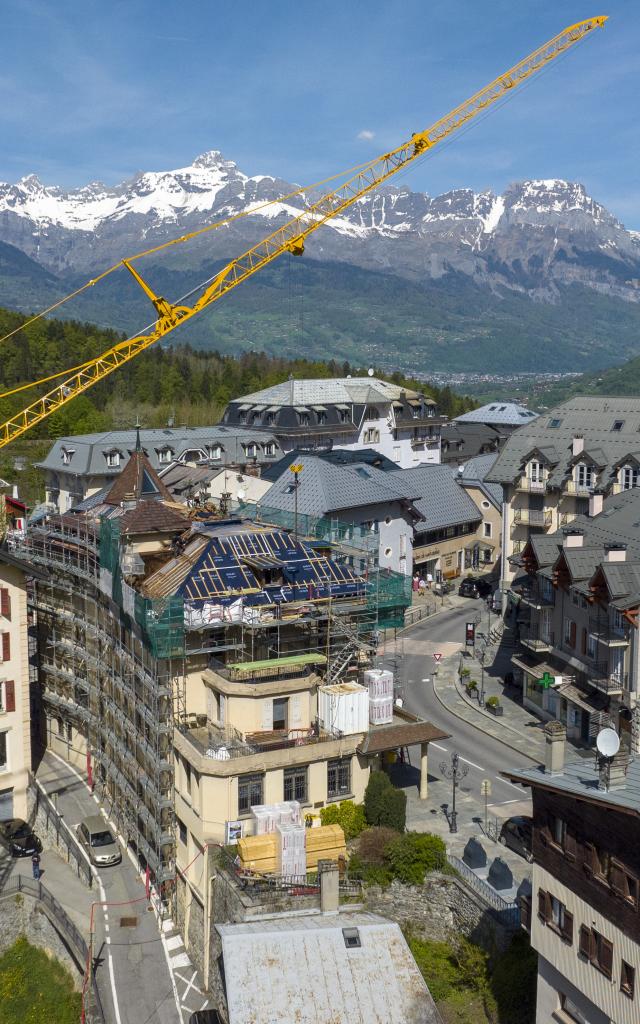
[535, 237]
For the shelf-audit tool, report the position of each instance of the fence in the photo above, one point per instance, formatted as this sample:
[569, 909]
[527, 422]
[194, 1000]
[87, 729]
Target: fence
[504, 911]
[71, 936]
[65, 840]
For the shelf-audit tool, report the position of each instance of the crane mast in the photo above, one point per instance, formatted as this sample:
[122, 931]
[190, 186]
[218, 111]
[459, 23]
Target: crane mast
[290, 237]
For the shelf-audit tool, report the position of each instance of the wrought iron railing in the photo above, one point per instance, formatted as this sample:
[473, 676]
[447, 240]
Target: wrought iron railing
[504, 911]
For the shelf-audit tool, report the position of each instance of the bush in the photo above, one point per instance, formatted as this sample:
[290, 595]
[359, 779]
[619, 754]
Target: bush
[384, 804]
[348, 815]
[452, 967]
[373, 795]
[472, 685]
[411, 856]
[492, 702]
[372, 845]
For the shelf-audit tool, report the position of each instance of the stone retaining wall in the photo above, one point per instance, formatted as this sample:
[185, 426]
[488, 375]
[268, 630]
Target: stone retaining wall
[23, 915]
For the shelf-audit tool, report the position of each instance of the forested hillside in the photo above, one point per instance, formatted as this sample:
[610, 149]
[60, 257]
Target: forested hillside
[191, 387]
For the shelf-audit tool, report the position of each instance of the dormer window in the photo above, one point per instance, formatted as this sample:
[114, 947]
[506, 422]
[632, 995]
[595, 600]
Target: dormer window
[269, 448]
[584, 475]
[214, 451]
[303, 419]
[322, 417]
[618, 425]
[242, 416]
[629, 477]
[250, 450]
[67, 455]
[371, 413]
[535, 472]
[165, 455]
[113, 459]
[344, 415]
[271, 418]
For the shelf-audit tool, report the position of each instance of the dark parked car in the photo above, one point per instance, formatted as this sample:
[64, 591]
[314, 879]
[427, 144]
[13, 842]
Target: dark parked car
[18, 838]
[516, 834]
[475, 586]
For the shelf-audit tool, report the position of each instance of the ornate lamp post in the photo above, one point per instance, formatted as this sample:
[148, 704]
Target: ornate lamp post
[456, 772]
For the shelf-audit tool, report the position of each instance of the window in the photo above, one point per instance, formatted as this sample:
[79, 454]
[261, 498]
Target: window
[487, 530]
[242, 415]
[570, 1009]
[182, 831]
[627, 979]
[628, 478]
[322, 417]
[602, 953]
[280, 712]
[536, 472]
[69, 732]
[214, 451]
[371, 436]
[3, 751]
[371, 413]
[113, 460]
[269, 449]
[584, 475]
[67, 455]
[338, 778]
[187, 778]
[575, 598]
[485, 504]
[618, 425]
[591, 646]
[250, 792]
[303, 419]
[60, 724]
[570, 632]
[351, 938]
[165, 455]
[558, 830]
[344, 415]
[295, 784]
[5, 603]
[554, 423]
[552, 912]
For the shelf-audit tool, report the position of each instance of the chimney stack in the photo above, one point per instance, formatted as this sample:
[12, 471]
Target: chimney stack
[329, 887]
[572, 538]
[555, 735]
[615, 552]
[577, 446]
[595, 503]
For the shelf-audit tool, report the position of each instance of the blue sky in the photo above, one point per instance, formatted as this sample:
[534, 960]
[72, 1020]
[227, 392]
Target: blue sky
[99, 90]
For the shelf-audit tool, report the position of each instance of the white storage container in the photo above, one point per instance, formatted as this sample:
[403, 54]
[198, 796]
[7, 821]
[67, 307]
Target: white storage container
[381, 710]
[344, 707]
[379, 682]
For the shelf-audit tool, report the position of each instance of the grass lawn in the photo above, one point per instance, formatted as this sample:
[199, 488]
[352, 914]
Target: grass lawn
[35, 989]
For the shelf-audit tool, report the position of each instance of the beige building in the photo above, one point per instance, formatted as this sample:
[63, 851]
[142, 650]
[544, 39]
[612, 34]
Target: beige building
[15, 715]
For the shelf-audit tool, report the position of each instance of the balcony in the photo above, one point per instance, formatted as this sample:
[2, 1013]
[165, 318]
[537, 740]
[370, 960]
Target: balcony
[566, 518]
[532, 517]
[224, 742]
[529, 486]
[579, 490]
[537, 640]
[535, 596]
[609, 684]
[608, 634]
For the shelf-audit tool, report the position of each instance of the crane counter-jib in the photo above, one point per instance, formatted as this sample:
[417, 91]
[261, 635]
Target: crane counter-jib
[291, 236]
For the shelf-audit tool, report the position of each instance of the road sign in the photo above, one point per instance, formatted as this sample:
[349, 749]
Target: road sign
[485, 788]
[437, 656]
[470, 634]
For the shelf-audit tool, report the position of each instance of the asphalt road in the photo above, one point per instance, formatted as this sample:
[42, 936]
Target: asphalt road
[484, 756]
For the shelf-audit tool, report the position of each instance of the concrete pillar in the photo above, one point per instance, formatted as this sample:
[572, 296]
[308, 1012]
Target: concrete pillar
[424, 777]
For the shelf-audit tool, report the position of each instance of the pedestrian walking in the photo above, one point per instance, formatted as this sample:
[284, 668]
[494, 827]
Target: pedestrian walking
[415, 584]
[423, 586]
[35, 866]
[429, 580]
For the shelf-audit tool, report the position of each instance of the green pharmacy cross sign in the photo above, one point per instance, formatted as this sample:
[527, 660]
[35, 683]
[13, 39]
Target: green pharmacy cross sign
[546, 681]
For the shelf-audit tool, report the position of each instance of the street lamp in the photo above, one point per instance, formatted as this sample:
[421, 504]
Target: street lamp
[456, 772]
[296, 469]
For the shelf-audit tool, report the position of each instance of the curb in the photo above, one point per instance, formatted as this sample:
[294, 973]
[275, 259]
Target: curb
[456, 714]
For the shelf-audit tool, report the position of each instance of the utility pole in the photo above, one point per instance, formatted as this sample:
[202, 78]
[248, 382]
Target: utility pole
[456, 772]
[296, 469]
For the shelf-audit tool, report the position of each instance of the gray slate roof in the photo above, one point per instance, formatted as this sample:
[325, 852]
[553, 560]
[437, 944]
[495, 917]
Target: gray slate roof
[300, 969]
[357, 390]
[593, 417]
[581, 779]
[439, 497]
[89, 450]
[503, 413]
[475, 472]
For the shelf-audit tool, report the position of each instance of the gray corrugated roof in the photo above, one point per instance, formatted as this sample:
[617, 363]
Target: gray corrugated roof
[474, 473]
[300, 969]
[593, 417]
[507, 413]
[581, 779]
[357, 390]
[90, 450]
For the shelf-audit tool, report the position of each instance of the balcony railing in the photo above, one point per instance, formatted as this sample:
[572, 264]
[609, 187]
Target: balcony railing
[531, 486]
[582, 490]
[518, 546]
[566, 518]
[532, 517]
[534, 596]
[222, 743]
[609, 683]
[609, 634]
[537, 640]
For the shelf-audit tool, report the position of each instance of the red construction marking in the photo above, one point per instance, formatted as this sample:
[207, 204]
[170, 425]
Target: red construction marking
[437, 657]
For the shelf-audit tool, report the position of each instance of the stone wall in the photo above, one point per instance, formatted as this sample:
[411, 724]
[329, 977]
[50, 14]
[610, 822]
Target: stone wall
[443, 906]
[23, 915]
[55, 834]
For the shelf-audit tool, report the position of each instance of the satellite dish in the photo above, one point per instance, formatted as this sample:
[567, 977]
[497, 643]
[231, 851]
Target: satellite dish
[608, 742]
[370, 371]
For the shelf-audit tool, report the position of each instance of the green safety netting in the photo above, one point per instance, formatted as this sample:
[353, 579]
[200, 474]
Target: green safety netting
[162, 623]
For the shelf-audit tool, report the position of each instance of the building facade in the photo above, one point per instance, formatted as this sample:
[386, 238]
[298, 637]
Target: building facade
[345, 412]
[584, 911]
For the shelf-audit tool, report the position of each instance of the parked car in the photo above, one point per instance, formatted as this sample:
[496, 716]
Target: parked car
[18, 838]
[475, 586]
[516, 833]
[99, 842]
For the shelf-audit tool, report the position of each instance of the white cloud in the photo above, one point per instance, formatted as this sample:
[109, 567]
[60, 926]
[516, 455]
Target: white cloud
[366, 135]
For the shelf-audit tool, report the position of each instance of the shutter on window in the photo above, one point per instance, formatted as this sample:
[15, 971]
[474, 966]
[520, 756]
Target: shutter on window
[10, 695]
[572, 634]
[570, 846]
[584, 641]
[543, 905]
[606, 956]
[267, 715]
[5, 603]
[584, 941]
[294, 704]
[590, 858]
[525, 912]
[618, 878]
[6, 646]
[567, 927]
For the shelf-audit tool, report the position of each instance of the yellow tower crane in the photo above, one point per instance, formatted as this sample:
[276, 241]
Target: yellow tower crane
[291, 236]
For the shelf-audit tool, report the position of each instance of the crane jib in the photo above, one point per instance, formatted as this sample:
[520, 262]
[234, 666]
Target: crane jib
[291, 236]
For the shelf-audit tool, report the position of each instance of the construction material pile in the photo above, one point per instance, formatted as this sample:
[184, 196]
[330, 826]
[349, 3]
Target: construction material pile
[379, 683]
[291, 847]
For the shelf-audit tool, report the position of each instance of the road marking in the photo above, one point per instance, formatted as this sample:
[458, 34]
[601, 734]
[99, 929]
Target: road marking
[189, 985]
[479, 767]
[438, 747]
[501, 803]
[116, 1008]
[181, 960]
[505, 782]
[174, 942]
[171, 975]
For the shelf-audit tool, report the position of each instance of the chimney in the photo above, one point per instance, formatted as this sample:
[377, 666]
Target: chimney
[555, 736]
[572, 538]
[577, 445]
[329, 889]
[595, 503]
[612, 771]
[615, 552]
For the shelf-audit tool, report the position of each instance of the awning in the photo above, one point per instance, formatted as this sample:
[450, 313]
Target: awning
[588, 702]
[319, 408]
[400, 734]
[300, 408]
[344, 408]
